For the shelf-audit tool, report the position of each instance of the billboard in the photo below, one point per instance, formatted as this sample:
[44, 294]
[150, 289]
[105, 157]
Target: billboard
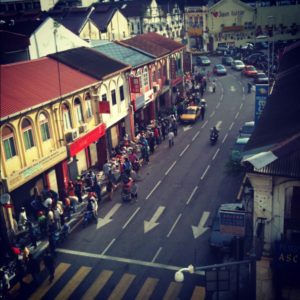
[261, 96]
[232, 222]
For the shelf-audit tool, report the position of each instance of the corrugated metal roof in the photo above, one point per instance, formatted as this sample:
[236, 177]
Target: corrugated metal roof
[125, 54]
[153, 43]
[31, 83]
[90, 62]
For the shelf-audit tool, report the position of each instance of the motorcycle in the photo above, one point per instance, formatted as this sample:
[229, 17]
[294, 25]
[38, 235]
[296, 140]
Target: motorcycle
[213, 137]
[89, 216]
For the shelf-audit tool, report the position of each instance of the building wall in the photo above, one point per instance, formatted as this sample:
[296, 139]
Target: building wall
[118, 28]
[44, 41]
[90, 32]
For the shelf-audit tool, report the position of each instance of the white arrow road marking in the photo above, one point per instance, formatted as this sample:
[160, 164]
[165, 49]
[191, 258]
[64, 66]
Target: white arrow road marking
[232, 88]
[200, 229]
[149, 225]
[186, 128]
[103, 221]
[218, 125]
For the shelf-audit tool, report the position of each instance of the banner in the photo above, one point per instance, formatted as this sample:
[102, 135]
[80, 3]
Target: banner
[134, 83]
[261, 96]
[104, 107]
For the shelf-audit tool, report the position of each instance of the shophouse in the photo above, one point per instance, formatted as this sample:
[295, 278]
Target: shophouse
[44, 105]
[111, 95]
[272, 161]
[168, 76]
[143, 84]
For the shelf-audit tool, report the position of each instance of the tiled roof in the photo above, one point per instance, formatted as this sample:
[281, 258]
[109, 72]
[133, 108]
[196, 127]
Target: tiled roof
[153, 43]
[10, 41]
[124, 54]
[90, 62]
[26, 27]
[102, 15]
[31, 83]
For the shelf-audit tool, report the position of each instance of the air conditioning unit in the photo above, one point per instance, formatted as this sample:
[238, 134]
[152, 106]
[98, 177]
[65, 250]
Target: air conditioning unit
[83, 128]
[72, 135]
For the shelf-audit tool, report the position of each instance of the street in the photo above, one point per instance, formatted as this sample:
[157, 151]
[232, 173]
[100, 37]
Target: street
[135, 249]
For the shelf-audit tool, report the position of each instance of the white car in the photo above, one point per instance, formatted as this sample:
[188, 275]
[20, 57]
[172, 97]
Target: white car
[238, 65]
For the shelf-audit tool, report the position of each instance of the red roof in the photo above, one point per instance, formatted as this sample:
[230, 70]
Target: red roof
[32, 83]
[153, 43]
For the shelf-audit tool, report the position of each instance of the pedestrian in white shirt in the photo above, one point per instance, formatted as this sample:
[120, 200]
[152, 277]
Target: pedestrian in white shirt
[171, 138]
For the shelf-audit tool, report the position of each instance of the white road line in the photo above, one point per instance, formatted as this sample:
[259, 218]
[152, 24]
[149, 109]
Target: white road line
[109, 245]
[222, 89]
[225, 137]
[156, 255]
[123, 260]
[241, 106]
[215, 155]
[243, 90]
[230, 127]
[241, 83]
[204, 124]
[212, 114]
[195, 136]
[173, 226]
[132, 216]
[221, 98]
[218, 105]
[204, 173]
[237, 114]
[192, 195]
[156, 186]
[244, 97]
[173, 164]
[187, 146]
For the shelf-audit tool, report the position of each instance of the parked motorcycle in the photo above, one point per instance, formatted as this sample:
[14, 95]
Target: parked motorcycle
[88, 218]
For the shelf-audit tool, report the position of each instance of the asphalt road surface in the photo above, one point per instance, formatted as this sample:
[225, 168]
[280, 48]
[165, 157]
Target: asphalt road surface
[135, 249]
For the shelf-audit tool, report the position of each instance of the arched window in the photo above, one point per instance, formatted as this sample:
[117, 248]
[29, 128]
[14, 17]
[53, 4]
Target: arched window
[8, 142]
[44, 127]
[88, 102]
[78, 111]
[27, 134]
[66, 117]
[145, 77]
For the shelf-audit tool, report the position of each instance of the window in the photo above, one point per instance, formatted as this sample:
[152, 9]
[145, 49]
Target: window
[66, 117]
[44, 127]
[8, 143]
[145, 77]
[121, 89]
[153, 76]
[88, 102]
[78, 111]
[113, 97]
[104, 97]
[27, 134]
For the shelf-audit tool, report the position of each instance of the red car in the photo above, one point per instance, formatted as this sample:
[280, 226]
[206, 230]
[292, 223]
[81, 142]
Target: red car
[249, 71]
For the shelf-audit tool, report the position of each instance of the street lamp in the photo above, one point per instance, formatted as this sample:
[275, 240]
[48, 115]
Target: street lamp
[179, 276]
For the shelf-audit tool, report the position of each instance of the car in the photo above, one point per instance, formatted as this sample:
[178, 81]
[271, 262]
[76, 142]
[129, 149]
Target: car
[260, 78]
[237, 150]
[227, 60]
[247, 46]
[219, 69]
[203, 60]
[222, 49]
[238, 65]
[261, 45]
[190, 114]
[249, 71]
[256, 59]
[247, 129]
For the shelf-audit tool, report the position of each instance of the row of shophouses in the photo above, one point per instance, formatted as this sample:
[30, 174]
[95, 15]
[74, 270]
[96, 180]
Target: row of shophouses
[64, 113]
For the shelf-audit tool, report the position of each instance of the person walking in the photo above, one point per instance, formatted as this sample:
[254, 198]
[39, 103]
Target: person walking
[202, 112]
[50, 265]
[174, 127]
[171, 138]
[249, 85]
[214, 86]
[33, 268]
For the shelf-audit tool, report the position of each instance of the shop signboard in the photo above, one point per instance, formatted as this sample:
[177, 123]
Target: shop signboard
[104, 107]
[232, 222]
[148, 96]
[134, 83]
[261, 96]
[286, 255]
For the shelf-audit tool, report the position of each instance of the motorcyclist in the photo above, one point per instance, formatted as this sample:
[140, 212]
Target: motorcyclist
[249, 87]
[214, 132]
[92, 205]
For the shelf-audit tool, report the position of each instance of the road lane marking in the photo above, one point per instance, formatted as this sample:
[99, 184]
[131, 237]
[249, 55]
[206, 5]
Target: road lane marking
[156, 255]
[121, 260]
[230, 127]
[218, 125]
[225, 137]
[204, 124]
[187, 146]
[195, 136]
[243, 90]
[212, 114]
[132, 216]
[218, 105]
[221, 98]
[173, 226]
[109, 245]
[215, 155]
[237, 114]
[241, 106]
[156, 186]
[192, 194]
[173, 164]
[244, 97]
[204, 173]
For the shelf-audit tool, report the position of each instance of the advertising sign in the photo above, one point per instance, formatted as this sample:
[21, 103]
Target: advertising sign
[232, 223]
[261, 96]
[286, 255]
[134, 83]
[104, 107]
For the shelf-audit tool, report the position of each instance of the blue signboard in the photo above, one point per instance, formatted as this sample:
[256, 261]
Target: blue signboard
[232, 222]
[261, 96]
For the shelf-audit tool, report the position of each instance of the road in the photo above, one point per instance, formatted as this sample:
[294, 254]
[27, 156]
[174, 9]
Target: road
[136, 249]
